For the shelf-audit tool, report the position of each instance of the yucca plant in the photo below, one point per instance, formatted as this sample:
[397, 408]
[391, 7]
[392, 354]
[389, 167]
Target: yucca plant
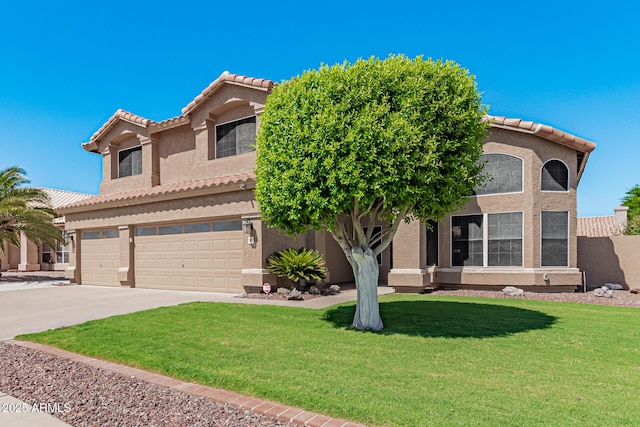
[298, 265]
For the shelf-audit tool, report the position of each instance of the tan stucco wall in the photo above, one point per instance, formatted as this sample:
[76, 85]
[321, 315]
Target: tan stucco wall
[613, 259]
[185, 152]
[409, 255]
[176, 150]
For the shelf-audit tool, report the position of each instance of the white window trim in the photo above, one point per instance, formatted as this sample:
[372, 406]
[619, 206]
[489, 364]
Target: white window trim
[568, 178]
[568, 241]
[485, 243]
[215, 133]
[510, 192]
[64, 249]
[118, 159]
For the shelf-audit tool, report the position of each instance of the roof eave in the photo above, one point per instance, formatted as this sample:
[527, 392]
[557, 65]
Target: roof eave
[227, 78]
[249, 184]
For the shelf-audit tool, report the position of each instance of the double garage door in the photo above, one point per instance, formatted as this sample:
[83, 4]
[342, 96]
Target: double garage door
[205, 256]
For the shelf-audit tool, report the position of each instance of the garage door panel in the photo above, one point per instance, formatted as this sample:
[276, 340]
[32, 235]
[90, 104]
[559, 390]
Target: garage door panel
[235, 245]
[220, 245]
[195, 261]
[235, 264]
[203, 264]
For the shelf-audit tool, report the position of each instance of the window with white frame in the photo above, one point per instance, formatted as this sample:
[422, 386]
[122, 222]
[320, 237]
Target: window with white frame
[62, 253]
[555, 176]
[503, 174]
[554, 233]
[235, 137]
[130, 162]
[487, 240]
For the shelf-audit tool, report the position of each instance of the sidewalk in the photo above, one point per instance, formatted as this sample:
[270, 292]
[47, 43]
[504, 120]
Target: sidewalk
[12, 280]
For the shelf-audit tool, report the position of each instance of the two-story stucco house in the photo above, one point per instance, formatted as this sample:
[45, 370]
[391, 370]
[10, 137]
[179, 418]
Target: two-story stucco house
[176, 208]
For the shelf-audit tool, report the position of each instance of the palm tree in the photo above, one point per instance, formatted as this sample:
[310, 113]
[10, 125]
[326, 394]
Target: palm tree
[24, 210]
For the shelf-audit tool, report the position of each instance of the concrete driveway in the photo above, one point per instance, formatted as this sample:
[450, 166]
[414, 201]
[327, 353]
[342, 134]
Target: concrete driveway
[50, 307]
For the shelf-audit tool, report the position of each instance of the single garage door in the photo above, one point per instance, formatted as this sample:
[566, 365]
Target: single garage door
[205, 256]
[100, 257]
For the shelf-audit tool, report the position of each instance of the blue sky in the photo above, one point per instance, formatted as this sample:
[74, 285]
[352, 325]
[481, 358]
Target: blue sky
[66, 66]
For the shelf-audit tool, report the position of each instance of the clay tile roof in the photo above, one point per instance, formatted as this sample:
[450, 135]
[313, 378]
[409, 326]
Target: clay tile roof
[149, 194]
[120, 115]
[543, 131]
[226, 77]
[169, 123]
[597, 226]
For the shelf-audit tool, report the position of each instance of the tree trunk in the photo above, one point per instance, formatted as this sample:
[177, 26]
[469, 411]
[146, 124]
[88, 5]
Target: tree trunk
[366, 271]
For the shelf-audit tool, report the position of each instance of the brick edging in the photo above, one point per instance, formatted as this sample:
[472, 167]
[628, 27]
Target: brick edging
[296, 416]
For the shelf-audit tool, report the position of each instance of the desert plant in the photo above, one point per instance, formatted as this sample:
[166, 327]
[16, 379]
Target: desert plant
[298, 264]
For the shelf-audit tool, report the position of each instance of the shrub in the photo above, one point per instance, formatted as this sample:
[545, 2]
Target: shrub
[298, 264]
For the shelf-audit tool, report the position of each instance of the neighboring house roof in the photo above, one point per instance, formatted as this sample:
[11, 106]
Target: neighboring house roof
[58, 198]
[122, 115]
[581, 145]
[157, 193]
[597, 226]
[63, 197]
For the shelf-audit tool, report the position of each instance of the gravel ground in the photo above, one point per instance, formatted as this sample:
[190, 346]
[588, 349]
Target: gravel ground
[82, 395]
[89, 396]
[620, 298]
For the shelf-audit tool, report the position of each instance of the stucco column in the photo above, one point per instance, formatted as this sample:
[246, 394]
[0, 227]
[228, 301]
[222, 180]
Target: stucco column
[150, 160]
[409, 272]
[126, 274]
[28, 255]
[73, 269]
[620, 217]
[254, 272]
[202, 143]
[4, 257]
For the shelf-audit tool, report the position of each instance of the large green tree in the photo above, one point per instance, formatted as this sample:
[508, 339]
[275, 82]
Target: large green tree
[25, 210]
[631, 199]
[352, 146]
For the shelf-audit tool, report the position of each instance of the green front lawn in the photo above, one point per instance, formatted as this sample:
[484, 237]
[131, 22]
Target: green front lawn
[440, 360]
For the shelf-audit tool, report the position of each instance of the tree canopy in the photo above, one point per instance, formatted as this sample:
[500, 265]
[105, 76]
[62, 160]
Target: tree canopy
[632, 201]
[24, 210]
[350, 146]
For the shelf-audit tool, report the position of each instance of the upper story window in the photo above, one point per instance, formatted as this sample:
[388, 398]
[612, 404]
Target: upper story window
[130, 162]
[555, 176]
[235, 137]
[503, 172]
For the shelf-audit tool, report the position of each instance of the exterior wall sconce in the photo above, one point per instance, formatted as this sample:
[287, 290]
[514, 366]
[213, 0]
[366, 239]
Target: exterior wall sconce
[67, 236]
[247, 226]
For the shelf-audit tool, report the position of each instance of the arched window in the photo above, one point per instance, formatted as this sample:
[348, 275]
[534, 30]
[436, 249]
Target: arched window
[503, 172]
[555, 176]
